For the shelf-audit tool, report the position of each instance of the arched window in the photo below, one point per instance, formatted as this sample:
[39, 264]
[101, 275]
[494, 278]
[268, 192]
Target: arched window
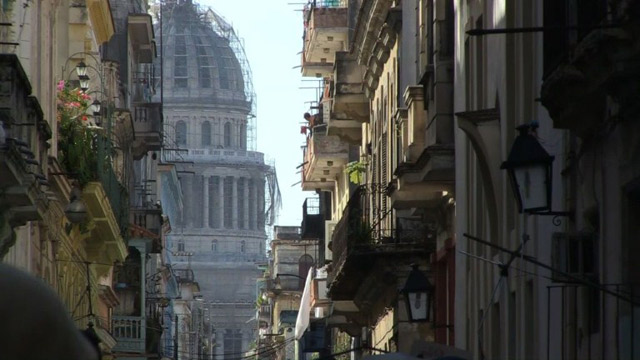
[227, 134]
[206, 134]
[214, 245]
[304, 264]
[181, 133]
[243, 246]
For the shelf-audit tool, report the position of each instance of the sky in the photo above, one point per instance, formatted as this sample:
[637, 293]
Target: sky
[272, 33]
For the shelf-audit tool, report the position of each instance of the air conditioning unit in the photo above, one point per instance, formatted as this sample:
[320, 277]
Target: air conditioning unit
[575, 254]
[329, 225]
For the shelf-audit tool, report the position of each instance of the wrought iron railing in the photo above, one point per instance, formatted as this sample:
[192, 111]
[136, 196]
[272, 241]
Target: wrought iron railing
[143, 84]
[328, 3]
[312, 226]
[585, 322]
[116, 193]
[130, 333]
[363, 229]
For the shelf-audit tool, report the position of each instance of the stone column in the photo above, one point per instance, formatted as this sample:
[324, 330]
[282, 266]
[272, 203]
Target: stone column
[205, 191]
[257, 205]
[221, 201]
[246, 203]
[234, 203]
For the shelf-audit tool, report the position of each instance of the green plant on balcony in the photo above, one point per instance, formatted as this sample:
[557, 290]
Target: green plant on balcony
[76, 142]
[356, 170]
[360, 232]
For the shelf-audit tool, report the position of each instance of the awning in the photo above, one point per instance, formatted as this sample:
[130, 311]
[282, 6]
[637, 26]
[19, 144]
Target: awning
[302, 322]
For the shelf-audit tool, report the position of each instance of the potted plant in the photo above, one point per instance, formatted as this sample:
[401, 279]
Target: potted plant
[76, 142]
[356, 170]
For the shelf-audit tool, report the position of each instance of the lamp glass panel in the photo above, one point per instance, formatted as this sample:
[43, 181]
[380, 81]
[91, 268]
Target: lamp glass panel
[418, 305]
[81, 69]
[532, 186]
[84, 84]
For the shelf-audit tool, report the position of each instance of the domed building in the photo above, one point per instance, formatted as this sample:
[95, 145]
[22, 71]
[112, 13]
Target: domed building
[209, 133]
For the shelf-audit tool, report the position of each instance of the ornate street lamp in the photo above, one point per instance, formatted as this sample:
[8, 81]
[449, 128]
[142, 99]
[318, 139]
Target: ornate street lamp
[529, 169]
[76, 211]
[84, 82]
[81, 69]
[418, 295]
[95, 107]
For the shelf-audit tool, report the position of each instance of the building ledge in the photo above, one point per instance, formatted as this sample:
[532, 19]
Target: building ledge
[105, 243]
[101, 20]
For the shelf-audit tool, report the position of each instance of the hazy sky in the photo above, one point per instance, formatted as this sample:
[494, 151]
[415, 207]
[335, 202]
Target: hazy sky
[272, 33]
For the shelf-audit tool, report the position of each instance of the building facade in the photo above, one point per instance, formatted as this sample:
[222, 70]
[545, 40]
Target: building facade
[210, 127]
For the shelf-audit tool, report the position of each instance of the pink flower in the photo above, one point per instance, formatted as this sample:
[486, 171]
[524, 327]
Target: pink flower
[60, 85]
[84, 118]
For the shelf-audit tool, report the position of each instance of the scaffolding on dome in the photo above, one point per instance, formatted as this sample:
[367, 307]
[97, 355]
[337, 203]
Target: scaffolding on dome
[221, 27]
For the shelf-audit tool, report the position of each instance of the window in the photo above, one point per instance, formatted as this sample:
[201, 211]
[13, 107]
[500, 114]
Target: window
[206, 134]
[232, 341]
[214, 245]
[181, 133]
[227, 134]
[243, 246]
[180, 74]
[204, 63]
[180, 245]
[304, 264]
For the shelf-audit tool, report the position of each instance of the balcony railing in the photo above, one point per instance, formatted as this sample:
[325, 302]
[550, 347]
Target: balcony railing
[324, 157]
[23, 146]
[585, 322]
[130, 333]
[328, 3]
[325, 32]
[147, 124]
[358, 233]
[116, 193]
[184, 275]
[149, 218]
[143, 84]
[312, 226]
[222, 156]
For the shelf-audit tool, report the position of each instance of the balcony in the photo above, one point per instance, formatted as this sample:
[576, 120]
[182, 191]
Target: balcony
[148, 224]
[147, 125]
[142, 37]
[349, 100]
[22, 147]
[312, 226]
[184, 276]
[324, 158]
[130, 333]
[101, 19]
[427, 166]
[105, 244]
[326, 31]
[584, 67]
[589, 322]
[143, 87]
[363, 250]
[264, 313]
